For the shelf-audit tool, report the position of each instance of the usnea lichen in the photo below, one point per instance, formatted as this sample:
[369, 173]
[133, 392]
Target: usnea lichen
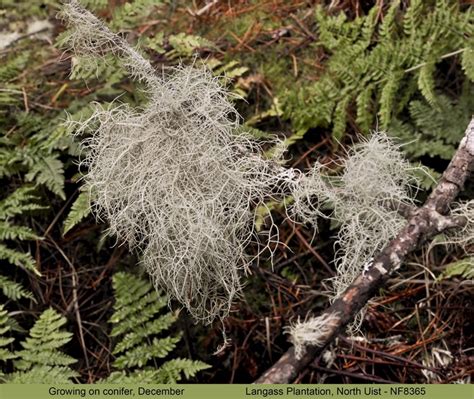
[174, 179]
[313, 331]
[177, 182]
[89, 37]
[462, 237]
[365, 200]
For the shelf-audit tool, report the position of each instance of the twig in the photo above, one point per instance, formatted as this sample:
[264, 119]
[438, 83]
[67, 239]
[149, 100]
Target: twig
[406, 362]
[267, 329]
[302, 27]
[75, 302]
[425, 223]
[78, 316]
[59, 214]
[25, 100]
[206, 8]
[313, 252]
[353, 375]
[25, 36]
[453, 53]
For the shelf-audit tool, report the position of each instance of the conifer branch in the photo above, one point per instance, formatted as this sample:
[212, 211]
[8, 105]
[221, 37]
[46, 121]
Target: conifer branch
[426, 222]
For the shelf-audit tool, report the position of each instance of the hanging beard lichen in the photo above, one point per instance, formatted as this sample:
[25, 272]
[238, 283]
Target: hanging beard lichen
[366, 201]
[175, 180]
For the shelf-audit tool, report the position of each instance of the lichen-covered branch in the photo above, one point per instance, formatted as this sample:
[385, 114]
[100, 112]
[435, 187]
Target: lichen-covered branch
[426, 222]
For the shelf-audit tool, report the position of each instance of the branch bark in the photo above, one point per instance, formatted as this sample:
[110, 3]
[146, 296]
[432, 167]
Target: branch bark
[423, 224]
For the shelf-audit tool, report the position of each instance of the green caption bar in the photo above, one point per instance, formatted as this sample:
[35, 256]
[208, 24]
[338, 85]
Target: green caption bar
[10, 391]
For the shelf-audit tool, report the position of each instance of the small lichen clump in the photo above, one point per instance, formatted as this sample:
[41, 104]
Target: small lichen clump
[175, 180]
[313, 331]
[365, 200]
[462, 237]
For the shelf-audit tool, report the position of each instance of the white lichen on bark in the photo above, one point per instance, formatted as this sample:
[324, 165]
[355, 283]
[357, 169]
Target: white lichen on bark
[312, 331]
[463, 236]
[366, 199]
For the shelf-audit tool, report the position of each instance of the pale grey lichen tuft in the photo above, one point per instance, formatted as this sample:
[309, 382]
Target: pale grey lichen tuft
[89, 37]
[313, 331]
[175, 180]
[461, 237]
[364, 198]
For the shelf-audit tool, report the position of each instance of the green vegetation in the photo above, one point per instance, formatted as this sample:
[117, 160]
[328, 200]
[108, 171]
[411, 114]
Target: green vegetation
[136, 323]
[371, 61]
[316, 76]
[40, 360]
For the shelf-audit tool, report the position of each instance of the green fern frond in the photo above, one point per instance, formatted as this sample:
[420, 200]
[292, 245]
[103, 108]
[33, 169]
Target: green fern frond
[141, 354]
[5, 353]
[184, 44]
[463, 268]
[413, 18]
[380, 65]
[13, 66]
[140, 333]
[50, 172]
[22, 200]
[427, 178]
[20, 259]
[369, 27]
[12, 232]
[171, 371]
[140, 376]
[43, 375]
[139, 325]
[130, 14]
[14, 290]
[387, 98]
[434, 132]
[95, 4]
[364, 108]
[136, 319]
[388, 27]
[10, 95]
[135, 305]
[467, 62]
[34, 149]
[230, 74]
[40, 360]
[41, 348]
[8, 157]
[340, 119]
[108, 70]
[80, 209]
[426, 82]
